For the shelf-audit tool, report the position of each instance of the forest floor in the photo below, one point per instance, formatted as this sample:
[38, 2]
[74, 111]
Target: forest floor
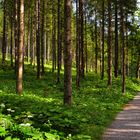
[127, 123]
[40, 114]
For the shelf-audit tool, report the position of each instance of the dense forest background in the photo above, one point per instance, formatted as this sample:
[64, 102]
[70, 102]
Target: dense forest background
[85, 53]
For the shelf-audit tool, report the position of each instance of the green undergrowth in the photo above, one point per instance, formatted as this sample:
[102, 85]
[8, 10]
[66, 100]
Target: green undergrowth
[40, 114]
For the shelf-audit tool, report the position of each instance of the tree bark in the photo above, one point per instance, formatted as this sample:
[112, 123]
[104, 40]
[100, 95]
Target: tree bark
[11, 43]
[67, 54]
[103, 18]
[28, 35]
[53, 37]
[77, 46]
[86, 49]
[116, 39]
[58, 42]
[81, 41]
[16, 27]
[109, 44]
[127, 46]
[38, 38]
[4, 44]
[33, 35]
[43, 37]
[138, 67]
[96, 44]
[19, 85]
[123, 46]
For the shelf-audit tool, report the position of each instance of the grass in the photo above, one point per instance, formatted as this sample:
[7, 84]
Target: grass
[40, 113]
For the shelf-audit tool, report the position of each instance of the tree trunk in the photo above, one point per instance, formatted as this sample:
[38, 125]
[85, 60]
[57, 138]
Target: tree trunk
[11, 43]
[38, 38]
[109, 44]
[67, 54]
[81, 41]
[77, 46]
[127, 45]
[103, 18]
[33, 36]
[100, 41]
[58, 42]
[4, 44]
[53, 37]
[45, 46]
[123, 46]
[28, 35]
[61, 40]
[16, 27]
[19, 85]
[86, 49]
[96, 44]
[43, 37]
[138, 67]
[116, 39]
[31, 41]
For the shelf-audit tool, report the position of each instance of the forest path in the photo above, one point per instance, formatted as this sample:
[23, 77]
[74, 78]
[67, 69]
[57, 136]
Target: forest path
[127, 123]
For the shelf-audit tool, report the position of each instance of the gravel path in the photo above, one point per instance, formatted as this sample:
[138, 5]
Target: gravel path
[127, 123]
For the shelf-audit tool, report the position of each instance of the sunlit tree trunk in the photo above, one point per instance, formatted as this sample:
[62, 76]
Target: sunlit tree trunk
[58, 42]
[28, 35]
[47, 47]
[16, 26]
[96, 44]
[19, 85]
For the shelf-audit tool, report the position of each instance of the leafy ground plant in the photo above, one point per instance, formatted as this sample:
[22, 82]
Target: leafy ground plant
[40, 114]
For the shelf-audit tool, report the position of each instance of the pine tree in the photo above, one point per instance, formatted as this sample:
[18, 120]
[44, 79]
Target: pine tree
[19, 85]
[67, 54]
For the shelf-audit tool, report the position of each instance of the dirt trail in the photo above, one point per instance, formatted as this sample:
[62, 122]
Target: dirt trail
[127, 123]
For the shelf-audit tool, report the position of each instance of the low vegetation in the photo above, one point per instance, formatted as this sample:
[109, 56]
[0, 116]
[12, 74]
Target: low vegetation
[39, 113]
